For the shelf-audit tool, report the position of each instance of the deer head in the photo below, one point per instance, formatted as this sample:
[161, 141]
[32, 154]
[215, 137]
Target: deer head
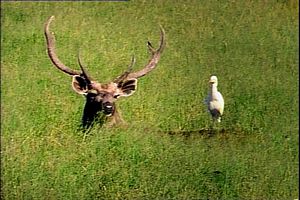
[101, 97]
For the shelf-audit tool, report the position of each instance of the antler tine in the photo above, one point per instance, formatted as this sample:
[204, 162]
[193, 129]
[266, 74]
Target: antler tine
[154, 59]
[162, 42]
[162, 39]
[150, 47]
[84, 73]
[51, 50]
[126, 73]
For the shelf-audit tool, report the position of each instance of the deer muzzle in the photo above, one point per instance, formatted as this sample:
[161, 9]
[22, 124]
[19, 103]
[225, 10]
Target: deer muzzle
[108, 108]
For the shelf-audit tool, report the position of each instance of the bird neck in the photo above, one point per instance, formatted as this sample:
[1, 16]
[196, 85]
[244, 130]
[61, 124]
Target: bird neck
[214, 91]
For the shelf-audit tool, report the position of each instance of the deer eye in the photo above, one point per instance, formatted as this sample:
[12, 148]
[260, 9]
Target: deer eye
[116, 96]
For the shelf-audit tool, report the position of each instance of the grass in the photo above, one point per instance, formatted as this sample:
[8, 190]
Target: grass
[166, 151]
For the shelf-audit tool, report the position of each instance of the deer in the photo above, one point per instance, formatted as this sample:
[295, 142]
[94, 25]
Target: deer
[100, 105]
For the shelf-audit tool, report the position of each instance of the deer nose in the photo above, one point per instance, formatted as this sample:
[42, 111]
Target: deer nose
[108, 108]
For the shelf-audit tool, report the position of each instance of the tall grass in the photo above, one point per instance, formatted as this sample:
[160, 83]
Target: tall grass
[165, 150]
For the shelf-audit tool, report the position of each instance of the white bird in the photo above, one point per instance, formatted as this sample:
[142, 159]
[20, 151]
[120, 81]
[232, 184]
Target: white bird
[214, 100]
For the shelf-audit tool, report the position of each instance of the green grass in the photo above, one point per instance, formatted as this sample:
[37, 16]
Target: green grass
[164, 152]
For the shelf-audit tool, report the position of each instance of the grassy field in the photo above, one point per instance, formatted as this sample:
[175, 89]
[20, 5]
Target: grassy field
[167, 150]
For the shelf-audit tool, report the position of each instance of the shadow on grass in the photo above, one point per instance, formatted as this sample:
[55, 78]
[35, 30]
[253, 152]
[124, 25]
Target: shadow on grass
[207, 132]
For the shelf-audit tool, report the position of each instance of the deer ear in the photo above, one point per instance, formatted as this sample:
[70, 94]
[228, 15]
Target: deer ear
[79, 84]
[128, 87]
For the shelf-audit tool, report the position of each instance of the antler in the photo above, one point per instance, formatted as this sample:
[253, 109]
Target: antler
[51, 50]
[151, 64]
[84, 73]
[125, 74]
[154, 59]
